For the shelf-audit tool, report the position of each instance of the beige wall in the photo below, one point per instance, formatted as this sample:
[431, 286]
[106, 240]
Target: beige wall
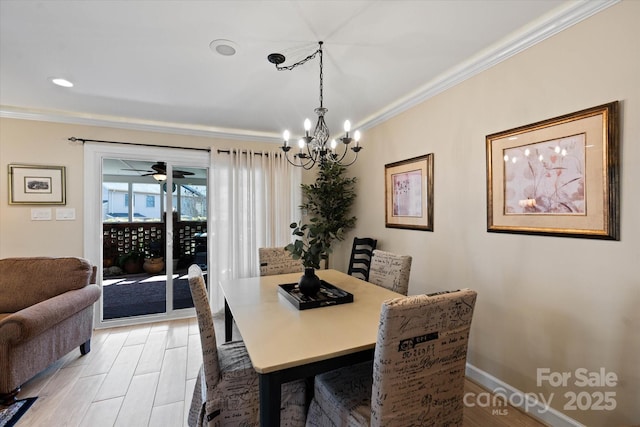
[34, 142]
[543, 302]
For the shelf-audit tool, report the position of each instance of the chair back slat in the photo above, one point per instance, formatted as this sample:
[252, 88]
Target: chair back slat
[361, 253]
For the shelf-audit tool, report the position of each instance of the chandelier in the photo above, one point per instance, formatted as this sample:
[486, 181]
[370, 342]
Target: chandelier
[315, 147]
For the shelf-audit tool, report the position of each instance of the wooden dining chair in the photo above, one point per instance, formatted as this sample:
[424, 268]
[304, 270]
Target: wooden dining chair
[226, 390]
[417, 374]
[278, 261]
[361, 253]
[390, 271]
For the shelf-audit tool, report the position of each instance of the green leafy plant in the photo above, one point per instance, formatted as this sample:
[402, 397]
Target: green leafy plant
[311, 246]
[328, 202]
[134, 256]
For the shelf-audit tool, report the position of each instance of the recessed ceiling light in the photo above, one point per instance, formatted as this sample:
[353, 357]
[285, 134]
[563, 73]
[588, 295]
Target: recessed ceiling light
[61, 82]
[223, 47]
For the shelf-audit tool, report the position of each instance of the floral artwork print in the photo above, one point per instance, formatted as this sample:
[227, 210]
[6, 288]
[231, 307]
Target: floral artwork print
[546, 177]
[407, 193]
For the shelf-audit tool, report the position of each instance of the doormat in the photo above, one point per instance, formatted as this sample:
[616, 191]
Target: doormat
[9, 415]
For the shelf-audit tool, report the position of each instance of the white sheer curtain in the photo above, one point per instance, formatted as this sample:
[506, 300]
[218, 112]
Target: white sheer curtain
[254, 198]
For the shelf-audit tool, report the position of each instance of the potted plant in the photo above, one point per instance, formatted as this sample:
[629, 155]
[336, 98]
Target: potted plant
[109, 252]
[328, 201]
[131, 262]
[309, 248]
[154, 263]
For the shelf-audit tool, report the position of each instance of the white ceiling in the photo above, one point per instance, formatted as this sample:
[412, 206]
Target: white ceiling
[148, 63]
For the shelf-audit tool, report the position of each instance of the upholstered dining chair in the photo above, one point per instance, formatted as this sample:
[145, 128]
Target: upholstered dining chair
[226, 390]
[418, 372]
[278, 261]
[361, 253]
[390, 271]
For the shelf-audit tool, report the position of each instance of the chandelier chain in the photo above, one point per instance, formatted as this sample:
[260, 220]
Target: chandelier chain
[321, 76]
[302, 61]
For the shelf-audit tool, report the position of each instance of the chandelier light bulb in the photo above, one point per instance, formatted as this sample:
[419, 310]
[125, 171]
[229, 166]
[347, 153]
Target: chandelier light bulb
[285, 136]
[307, 125]
[334, 144]
[347, 126]
[356, 136]
[301, 143]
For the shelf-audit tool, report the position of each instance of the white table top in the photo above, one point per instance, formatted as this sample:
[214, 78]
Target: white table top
[279, 336]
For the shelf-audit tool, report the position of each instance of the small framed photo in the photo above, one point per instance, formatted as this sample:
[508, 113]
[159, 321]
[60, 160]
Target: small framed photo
[409, 193]
[557, 177]
[37, 185]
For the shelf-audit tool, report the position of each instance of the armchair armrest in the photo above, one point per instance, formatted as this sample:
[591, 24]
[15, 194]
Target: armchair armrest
[37, 318]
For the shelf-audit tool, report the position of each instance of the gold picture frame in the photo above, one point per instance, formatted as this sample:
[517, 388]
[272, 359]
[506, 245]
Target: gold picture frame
[37, 185]
[409, 193]
[557, 177]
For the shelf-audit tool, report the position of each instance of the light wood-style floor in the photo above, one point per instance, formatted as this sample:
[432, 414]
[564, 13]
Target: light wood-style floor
[144, 376]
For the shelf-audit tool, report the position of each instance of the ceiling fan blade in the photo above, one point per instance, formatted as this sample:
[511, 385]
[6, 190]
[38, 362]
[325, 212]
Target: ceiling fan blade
[137, 170]
[160, 167]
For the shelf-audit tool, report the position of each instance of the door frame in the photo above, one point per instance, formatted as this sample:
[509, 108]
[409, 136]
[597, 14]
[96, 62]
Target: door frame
[94, 153]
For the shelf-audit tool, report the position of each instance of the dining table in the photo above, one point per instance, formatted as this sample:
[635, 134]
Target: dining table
[286, 343]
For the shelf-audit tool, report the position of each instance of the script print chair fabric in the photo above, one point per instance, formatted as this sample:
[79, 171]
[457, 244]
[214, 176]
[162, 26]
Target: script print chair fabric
[278, 261]
[226, 390]
[391, 271]
[361, 253]
[418, 372]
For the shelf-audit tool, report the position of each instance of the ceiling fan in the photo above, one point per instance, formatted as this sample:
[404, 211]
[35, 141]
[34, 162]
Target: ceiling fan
[159, 172]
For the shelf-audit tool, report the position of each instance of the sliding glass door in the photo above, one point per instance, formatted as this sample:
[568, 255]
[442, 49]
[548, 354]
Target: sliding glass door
[153, 226]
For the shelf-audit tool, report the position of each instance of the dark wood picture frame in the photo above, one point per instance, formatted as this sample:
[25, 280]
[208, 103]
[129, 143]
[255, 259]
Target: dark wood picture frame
[557, 177]
[409, 193]
[37, 185]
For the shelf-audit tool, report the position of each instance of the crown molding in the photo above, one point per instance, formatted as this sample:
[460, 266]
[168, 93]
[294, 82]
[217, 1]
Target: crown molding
[135, 124]
[526, 37]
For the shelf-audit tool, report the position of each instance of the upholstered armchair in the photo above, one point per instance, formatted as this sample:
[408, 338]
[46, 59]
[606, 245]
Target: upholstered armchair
[46, 310]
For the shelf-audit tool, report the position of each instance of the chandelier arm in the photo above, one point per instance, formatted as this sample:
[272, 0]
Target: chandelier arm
[286, 156]
[343, 156]
[306, 165]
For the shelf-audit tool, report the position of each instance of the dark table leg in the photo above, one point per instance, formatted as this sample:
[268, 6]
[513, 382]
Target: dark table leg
[270, 386]
[270, 395]
[228, 322]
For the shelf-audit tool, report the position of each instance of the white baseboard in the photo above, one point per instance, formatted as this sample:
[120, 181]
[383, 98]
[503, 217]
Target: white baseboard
[521, 400]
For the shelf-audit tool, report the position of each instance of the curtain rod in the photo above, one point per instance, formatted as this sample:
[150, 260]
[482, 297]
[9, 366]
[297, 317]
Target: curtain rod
[74, 139]
[257, 153]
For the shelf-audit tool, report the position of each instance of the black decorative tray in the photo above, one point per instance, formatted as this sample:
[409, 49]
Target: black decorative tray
[327, 295]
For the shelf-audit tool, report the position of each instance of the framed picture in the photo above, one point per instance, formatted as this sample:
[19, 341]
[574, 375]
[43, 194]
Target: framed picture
[558, 177]
[409, 193]
[37, 185]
